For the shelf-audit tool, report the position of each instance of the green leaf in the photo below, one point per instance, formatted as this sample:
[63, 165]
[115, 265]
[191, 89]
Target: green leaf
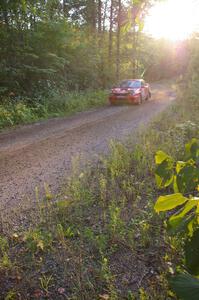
[185, 286]
[187, 178]
[176, 219]
[136, 2]
[126, 27]
[192, 149]
[190, 227]
[169, 202]
[24, 5]
[180, 165]
[141, 26]
[164, 174]
[160, 157]
[175, 186]
[164, 171]
[192, 253]
[62, 203]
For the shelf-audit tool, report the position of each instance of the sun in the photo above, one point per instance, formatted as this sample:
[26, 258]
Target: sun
[173, 19]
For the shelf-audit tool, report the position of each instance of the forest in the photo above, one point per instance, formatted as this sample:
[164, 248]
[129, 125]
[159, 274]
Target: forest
[55, 51]
[125, 225]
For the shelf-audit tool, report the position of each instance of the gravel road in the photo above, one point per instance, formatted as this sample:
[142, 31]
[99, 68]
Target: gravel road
[42, 152]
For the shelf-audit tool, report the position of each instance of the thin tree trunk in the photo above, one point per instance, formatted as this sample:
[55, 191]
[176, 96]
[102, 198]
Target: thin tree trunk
[104, 16]
[118, 41]
[111, 34]
[93, 15]
[134, 51]
[100, 42]
[99, 16]
[65, 12]
[5, 17]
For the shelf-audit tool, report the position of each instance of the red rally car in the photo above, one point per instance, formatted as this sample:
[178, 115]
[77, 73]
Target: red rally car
[130, 91]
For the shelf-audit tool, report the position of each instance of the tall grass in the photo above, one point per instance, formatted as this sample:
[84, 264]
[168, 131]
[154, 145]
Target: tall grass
[22, 111]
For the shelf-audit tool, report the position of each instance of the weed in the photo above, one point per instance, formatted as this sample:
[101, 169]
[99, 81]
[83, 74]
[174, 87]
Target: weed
[143, 294]
[3, 244]
[115, 223]
[11, 295]
[108, 278]
[38, 240]
[46, 282]
[5, 262]
[63, 233]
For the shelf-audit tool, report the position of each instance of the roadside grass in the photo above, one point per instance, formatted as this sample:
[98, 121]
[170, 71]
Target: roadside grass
[23, 110]
[102, 239]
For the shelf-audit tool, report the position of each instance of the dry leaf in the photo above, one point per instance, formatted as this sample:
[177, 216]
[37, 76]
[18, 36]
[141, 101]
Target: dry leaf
[61, 290]
[104, 297]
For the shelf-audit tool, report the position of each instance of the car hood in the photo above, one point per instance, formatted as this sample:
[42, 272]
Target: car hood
[118, 90]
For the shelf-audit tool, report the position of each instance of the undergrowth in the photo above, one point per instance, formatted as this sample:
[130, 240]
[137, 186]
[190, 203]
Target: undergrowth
[102, 238]
[14, 111]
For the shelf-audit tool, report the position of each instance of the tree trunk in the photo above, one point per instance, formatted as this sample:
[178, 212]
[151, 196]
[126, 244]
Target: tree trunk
[118, 41]
[111, 34]
[134, 51]
[99, 16]
[65, 10]
[104, 16]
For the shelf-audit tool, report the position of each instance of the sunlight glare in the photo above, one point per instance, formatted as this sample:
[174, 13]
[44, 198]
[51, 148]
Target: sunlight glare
[173, 19]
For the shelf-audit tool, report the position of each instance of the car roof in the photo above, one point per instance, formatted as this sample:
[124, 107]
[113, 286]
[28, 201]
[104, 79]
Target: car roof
[137, 79]
[133, 79]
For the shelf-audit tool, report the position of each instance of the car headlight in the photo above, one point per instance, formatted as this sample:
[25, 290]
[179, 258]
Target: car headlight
[137, 91]
[131, 91]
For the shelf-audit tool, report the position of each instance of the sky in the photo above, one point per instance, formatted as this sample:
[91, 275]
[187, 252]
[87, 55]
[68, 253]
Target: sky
[173, 19]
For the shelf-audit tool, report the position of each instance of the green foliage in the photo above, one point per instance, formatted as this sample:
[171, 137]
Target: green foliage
[11, 295]
[26, 111]
[186, 286]
[38, 240]
[192, 253]
[169, 202]
[54, 45]
[3, 245]
[5, 262]
[164, 170]
[64, 233]
[46, 282]
[184, 179]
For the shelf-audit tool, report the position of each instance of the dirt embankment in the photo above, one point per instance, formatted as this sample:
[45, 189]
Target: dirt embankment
[42, 152]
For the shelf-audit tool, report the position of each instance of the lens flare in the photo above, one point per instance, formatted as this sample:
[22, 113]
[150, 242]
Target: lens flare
[173, 19]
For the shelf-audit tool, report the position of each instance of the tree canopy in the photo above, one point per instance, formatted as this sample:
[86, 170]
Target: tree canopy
[77, 44]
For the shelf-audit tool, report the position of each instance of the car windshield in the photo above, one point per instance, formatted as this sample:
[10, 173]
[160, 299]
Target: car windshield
[130, 84]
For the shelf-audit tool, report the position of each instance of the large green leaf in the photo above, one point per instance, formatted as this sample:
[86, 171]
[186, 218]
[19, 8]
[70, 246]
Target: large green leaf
[164, 173]
[192, 253]
[187, 178]
[180, 165]
[175, 220]
[185, 286]
[192, 149]
[160, 157]
[169, 202]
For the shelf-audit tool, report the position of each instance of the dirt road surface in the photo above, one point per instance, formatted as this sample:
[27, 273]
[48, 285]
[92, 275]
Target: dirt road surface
[42, 152]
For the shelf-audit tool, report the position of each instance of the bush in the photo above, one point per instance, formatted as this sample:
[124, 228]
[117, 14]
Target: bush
[22, 111]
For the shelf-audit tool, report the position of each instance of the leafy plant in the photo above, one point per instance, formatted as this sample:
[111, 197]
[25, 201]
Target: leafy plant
[183, 178]
[46, 282]
[38, 240]
[11, 295]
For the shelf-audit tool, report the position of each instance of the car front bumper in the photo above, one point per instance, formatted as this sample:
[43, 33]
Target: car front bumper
[126, 99]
